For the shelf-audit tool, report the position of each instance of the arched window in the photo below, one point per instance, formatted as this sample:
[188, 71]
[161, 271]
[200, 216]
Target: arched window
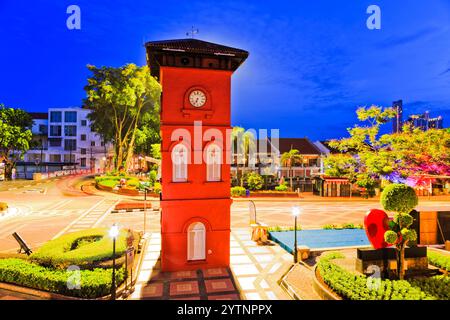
[180, 162]
[213, 162]
[196, 241]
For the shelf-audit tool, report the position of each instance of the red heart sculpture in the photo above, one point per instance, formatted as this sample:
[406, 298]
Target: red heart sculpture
[376, 223]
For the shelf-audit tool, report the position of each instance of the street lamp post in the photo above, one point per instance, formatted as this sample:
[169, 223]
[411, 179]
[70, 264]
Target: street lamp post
[295, 213]
[114, 233]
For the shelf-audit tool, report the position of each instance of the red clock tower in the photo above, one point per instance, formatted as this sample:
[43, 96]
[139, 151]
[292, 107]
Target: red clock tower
[195, 127]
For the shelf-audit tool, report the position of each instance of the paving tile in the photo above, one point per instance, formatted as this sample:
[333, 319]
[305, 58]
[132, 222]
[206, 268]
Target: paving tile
[236, 250]
[253, 296]
[219, 285]
[224, 297]
[245, 269]
[153, 290]
[183, 287]
[183, 275]
[215, 272]
[242, 259]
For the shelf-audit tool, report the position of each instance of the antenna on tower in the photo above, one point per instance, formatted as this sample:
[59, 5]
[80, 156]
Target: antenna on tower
[193, 32]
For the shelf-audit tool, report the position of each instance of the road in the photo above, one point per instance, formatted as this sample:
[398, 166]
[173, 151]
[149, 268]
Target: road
[51, 208]
[54, 207]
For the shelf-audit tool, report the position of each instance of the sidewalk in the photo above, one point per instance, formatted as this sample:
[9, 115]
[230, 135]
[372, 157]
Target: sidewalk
[253, 274]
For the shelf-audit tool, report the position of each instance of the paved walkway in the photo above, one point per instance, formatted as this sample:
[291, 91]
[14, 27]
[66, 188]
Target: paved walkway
[253, 274]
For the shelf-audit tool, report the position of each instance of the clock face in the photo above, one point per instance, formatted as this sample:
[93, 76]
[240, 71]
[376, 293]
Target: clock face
[197, 98]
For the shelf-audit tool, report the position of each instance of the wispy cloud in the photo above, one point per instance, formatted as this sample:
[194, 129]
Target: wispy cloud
[406, 39]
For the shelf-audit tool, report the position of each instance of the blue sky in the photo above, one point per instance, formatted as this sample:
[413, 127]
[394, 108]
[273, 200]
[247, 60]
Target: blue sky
[311, 62]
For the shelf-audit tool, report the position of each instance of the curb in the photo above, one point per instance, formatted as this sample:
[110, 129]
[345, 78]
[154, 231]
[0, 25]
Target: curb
[321, 290]
[286, 287]
[134, 210]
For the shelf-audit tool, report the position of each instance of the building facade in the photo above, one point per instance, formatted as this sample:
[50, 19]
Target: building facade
[421, 121]
[195, 203]
[63, 138]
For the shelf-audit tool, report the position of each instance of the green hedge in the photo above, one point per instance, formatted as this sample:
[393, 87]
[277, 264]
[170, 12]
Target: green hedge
[83, 248]
[355, 287]
[93, 283]
[237, 191]
[439, 260]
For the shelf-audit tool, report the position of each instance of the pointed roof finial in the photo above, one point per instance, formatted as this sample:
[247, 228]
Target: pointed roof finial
[193, 32]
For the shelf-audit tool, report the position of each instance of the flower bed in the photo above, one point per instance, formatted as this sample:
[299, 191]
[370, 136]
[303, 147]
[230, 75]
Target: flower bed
[355, 287]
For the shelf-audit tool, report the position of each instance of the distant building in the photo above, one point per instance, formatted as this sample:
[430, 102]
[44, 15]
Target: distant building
[63, 138]
[424, 122]
[398, 120]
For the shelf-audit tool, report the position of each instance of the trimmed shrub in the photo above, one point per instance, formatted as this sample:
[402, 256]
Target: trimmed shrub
[237, 191]
[439, 260]
[3, 206]
[94, 283]
[157, 187]
[390, 237]
[356, 287]
[399, 198]
[254, 181]
[282, 187]
[84, 248]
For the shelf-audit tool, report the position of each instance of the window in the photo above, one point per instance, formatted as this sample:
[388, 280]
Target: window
[83, 162]
[55, 131]
[83, 137]
[55, 158]
[70, 131]
[102, 143]
[213, 163]
[83, 123]
[70, 116]
[92, 143]
[43, 129]
[55, 116]
[70, 144]
[179, 160]
[83, 150]
[54, 142]
[196, 242]
[69, 158]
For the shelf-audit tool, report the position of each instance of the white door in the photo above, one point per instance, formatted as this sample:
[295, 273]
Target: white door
[196, 241]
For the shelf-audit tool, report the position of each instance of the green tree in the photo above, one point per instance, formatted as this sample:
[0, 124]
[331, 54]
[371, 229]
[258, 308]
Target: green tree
[290, 159]
[371, 156]
[122, 101]
[15, 136]
[244, 143]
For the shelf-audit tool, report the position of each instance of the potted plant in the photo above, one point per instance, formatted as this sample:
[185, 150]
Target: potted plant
[401, 199]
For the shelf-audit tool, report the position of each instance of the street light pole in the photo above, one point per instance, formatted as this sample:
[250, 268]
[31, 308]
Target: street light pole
[295, 213]
[114, 233]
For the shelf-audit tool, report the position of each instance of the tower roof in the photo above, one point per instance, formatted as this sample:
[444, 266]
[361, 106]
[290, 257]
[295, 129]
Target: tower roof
[196, 46]
[192, 53]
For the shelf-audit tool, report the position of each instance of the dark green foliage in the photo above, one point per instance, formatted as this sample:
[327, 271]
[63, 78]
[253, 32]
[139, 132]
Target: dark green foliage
[355, 287]
[94, 283]
[83, 248]
[399, 198]
[439, 260]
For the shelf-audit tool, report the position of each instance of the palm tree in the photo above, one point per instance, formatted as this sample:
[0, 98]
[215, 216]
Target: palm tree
[244, 141]
[290, 159]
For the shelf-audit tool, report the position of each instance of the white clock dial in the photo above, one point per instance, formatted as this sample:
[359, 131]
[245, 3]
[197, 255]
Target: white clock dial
[197, 98]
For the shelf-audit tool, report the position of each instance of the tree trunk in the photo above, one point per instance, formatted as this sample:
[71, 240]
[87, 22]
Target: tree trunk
[401, 261]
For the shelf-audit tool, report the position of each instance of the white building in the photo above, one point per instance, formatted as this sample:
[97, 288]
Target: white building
[64, 139]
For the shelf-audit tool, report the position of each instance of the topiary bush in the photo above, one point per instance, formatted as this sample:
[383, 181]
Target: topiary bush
[84, 249]
[282, 187]
[399, 198]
